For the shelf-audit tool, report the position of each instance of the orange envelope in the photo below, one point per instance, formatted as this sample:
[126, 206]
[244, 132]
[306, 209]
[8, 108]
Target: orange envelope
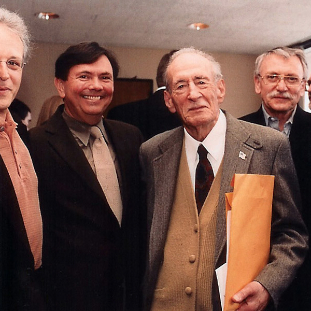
[249, 237]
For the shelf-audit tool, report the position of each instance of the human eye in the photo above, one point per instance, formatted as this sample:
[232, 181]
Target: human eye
[13, 64]
[291, 79]
[83, 77]
[106, 78]
[272, 77]
[201, 83]
[180, 87]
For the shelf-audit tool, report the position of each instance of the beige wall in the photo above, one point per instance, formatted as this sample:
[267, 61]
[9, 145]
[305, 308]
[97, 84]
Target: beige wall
[37, 84]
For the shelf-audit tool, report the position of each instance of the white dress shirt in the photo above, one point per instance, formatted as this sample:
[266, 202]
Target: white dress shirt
[214, 143]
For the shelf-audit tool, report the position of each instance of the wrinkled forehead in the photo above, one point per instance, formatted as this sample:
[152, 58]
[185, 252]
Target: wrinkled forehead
[189, 65]
[279, 64]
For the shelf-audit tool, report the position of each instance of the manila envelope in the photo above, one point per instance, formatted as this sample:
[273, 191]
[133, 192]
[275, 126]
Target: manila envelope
[248, 250]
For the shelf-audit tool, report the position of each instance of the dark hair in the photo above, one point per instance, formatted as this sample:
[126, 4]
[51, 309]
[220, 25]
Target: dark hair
[83, 53]
[162, 67]
[19, 108]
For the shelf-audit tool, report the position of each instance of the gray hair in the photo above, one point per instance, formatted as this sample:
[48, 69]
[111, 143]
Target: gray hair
[286, 52]
[216, 66]
[13, 21]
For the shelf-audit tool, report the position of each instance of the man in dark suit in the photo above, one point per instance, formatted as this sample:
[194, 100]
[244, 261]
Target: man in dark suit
[150, 115]
[280, 79]
[20, 218]
[91, 248]
[186, 245]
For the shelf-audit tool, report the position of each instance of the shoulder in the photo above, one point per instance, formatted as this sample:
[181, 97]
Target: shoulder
[253, 117]
[121, 127]
[163, 141]
[121, 132]
[53, 124]
[254, 135]
[262, 132]
[302, 116]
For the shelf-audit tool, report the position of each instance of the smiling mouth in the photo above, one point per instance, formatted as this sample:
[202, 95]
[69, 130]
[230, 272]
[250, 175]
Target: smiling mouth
[92, 97]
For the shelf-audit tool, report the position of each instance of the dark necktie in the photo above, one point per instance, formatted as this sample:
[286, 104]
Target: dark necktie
[204, 177]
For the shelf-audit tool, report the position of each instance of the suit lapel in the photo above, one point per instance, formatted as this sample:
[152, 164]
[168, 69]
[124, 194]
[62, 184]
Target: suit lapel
[239, 149]
[62, 141]
[165, 168]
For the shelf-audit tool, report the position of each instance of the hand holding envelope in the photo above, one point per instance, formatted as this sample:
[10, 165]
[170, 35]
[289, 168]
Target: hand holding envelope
[249, 211]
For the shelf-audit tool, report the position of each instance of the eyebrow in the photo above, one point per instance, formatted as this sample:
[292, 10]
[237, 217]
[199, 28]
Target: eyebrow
[106, 73]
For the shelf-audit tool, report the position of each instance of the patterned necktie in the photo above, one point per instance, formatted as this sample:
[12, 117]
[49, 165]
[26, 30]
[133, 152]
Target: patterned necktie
[106, 172]
[204, 177]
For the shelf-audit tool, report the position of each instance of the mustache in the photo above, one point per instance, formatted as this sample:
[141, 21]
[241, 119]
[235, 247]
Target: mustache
[285, 95]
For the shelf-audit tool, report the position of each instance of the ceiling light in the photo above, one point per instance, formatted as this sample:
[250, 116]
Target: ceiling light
[47, 15]
[198, 26]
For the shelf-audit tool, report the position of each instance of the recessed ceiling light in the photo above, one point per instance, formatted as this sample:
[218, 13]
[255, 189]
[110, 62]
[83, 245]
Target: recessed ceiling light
[198, 26]
[47, 15]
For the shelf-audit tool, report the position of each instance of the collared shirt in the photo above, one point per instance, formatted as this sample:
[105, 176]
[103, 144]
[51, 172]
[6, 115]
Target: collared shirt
[274, 122]
[24, 179]
[214, 144]
[82, 134]
[161, 88]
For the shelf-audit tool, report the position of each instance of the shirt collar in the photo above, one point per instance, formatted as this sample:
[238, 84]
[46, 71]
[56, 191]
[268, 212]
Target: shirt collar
[214, 142]
[274, 122]
[82, 130]
[161, 88]
[267, 116]
[9, 124]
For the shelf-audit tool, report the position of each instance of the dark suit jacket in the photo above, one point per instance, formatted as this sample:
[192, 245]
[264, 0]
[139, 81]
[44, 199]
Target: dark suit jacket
[150, 115]
[86, 254]
[19, 289]
[21, 129]
[268, 153]
[297, 297]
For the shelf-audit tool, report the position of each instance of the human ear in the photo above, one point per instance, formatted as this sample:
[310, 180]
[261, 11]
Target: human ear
[221, 90]
[59, 84]
[257, 85]
[169, 102]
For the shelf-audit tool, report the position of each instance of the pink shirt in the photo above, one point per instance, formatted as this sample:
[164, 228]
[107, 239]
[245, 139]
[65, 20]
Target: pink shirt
[24, 179]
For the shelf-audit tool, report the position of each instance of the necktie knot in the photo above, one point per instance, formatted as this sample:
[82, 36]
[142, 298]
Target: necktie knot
[96, 132]
[202, 152]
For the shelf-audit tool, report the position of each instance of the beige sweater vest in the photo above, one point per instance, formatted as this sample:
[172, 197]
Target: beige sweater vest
[185, 278]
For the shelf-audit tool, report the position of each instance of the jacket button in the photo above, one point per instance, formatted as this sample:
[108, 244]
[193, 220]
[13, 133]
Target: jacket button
[188, 290]
[196, 228]
[192, 258]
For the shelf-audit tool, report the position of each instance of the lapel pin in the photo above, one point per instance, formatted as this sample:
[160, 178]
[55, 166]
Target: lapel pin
[242, 155]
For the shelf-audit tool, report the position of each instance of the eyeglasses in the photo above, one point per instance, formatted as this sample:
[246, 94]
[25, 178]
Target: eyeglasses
[308, 85]
[13, 64]
[183, 87]
[274, 79]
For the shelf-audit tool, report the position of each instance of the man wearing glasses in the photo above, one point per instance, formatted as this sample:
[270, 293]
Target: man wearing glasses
[20, 217]
[280, 78]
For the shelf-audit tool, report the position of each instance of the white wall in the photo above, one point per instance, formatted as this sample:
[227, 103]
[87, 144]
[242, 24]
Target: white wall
[37, 84]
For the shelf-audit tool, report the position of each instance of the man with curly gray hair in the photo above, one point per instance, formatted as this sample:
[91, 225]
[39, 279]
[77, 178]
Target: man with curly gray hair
[20, 217]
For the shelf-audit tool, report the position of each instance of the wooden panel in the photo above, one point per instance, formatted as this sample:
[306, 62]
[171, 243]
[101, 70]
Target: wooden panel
[129, 90]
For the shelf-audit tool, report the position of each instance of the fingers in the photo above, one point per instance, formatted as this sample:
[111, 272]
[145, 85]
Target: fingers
[253, 297]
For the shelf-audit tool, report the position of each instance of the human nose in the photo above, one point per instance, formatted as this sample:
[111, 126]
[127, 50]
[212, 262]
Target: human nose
[194, 92]
[281, 85]
[96, 84]
[4, 72]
